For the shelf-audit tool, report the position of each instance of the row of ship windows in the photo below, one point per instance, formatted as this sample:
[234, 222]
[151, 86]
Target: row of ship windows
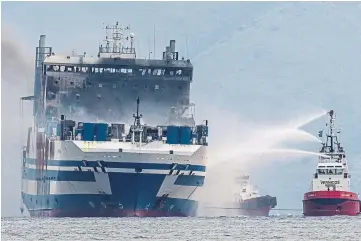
[51, 97]
[122, 71]
[47, 201]
[44, 178]
[330, 171]
[156, 87]
[100, 85]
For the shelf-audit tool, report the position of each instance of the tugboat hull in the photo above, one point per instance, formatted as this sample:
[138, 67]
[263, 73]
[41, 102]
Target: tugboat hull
[331, 203]
[259, 206]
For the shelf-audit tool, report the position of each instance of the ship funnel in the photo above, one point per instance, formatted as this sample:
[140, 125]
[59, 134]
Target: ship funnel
[42, 41]
[41, 49]
[172, 46]
[167, 49]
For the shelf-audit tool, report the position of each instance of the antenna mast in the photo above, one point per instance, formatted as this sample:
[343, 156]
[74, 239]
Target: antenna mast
[137, 127]
[154, 43]
[115, 43]
[137, 116]
[186, 46]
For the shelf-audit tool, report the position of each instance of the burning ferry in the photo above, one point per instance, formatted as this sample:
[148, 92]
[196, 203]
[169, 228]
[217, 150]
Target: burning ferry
[88, 155]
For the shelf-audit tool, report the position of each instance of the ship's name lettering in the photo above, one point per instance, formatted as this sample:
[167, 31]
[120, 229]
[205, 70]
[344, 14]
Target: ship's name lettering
[330, 182]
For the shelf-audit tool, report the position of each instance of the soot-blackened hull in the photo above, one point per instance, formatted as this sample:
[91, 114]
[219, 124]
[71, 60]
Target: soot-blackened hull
[331, 203]
[260, 206]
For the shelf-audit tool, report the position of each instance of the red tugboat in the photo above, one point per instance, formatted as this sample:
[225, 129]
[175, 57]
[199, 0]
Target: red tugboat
[330, 189]
[250, 202]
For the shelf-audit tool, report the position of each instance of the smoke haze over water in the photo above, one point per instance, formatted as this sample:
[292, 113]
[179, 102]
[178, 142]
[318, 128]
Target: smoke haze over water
[17, 75]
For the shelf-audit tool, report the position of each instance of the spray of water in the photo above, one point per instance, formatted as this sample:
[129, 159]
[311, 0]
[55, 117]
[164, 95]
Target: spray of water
[233, 155]
[260, 140]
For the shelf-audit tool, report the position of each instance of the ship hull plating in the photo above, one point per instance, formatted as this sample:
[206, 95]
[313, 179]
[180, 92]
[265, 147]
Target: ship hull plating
[260, 206]
[189, 208]
[331, 203]
[114, 193]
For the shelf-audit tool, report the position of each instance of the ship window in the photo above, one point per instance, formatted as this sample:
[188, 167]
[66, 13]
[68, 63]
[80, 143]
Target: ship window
[339, 171]
[331, 171]
[77, 97]
[156, 87]
[100, 85]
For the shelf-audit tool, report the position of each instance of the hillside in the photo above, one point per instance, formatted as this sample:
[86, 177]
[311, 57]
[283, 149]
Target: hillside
[300, 58]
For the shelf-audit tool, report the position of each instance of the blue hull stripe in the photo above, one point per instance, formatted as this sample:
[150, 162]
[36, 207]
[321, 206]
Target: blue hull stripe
[87, 176]
[33, 174]
[109, 164]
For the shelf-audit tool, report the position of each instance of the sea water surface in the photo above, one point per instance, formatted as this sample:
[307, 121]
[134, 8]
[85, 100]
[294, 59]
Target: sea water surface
[201, 228]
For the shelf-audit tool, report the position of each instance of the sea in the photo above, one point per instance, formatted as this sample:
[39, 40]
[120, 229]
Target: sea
[201, 228]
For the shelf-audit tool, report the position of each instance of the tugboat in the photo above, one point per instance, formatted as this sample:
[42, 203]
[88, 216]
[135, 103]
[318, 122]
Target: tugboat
[330, 189]
[250, 202]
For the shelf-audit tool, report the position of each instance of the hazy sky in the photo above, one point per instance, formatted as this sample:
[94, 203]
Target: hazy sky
[265, 62]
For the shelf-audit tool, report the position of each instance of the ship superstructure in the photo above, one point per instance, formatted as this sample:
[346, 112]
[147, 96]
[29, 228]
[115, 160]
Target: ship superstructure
[250, 202]
[330, 192]
[87, 154]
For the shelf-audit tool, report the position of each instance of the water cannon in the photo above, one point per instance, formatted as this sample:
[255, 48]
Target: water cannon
[331, 113]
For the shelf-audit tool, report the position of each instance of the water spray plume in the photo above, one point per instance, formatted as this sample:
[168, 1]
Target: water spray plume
[238, 149]
[304, 121]
[284, 151]
[262, 139]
